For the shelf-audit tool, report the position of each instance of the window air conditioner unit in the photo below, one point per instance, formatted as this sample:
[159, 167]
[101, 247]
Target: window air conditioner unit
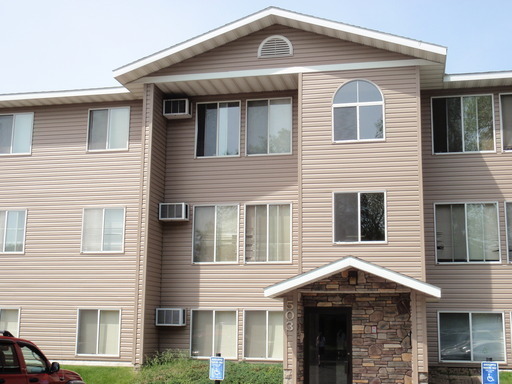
[170, 317]
[173, 212]
[177, 109]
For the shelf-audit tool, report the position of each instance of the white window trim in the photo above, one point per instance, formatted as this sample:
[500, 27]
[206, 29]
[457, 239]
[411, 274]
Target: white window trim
[280, 37]
[12, 137]
[470, 335]
[2, 252]
[217, 144]
[357, 105]
[102, 230]
[289, 261]
[98, 331]
[268, 142]
[267, 311]
[508, 242]
[503, 150]
[19, 317]
[108, 130]
[385, 241]
[462, 122]
[215, 237]
[192, 310]
[465, 203]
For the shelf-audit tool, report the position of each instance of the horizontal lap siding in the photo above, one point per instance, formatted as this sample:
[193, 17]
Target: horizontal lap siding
[53, 279]
[308, 49]
[455, 178]
[206, 181]
[393, 165]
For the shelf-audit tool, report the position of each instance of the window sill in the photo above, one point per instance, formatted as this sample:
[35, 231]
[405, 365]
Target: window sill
[360, 242]
[497, 262]
[15, 154]
[359, 141]
[102, 252]
[107, 150]
[285, 262]
[268, 154]
[218, 157]
[462, 153]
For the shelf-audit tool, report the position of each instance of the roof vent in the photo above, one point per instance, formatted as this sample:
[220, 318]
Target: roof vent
[275, 46]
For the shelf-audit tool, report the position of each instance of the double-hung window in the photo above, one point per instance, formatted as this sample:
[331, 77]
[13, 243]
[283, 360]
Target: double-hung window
[269, 126]
[467, 232]
[98, 332]
[471, 336]
[214, 332]
[358, 112]
[12, 231]
[9, 320]
[16, 133]
[103, 230]
[109, 129]
[463, 124]
[218, 129]
[267, 233]
[216, 233]
[506, 121]
[359, 217]
[263, 335]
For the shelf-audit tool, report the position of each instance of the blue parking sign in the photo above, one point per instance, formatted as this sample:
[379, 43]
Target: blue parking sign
[490, 373]
[217, 368]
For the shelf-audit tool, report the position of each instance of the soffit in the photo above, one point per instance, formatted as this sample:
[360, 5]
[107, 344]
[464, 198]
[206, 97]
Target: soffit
[343, 264]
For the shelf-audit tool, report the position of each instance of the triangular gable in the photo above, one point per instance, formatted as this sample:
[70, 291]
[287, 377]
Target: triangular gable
[346, 263]
[268, 17]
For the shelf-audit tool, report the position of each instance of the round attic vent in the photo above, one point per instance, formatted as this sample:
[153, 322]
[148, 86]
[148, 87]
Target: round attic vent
[275, 46]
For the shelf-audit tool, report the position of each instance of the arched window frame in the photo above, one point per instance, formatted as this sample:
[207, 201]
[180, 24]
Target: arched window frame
[358, 106]
[277, 37]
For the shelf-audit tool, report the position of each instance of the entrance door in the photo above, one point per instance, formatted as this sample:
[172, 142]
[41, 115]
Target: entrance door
[327, 346]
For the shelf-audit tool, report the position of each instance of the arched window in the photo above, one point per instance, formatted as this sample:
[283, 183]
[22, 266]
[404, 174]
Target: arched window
[358, 112]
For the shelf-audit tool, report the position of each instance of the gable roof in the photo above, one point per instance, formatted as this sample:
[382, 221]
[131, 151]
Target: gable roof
[270, 16]
[346, 263]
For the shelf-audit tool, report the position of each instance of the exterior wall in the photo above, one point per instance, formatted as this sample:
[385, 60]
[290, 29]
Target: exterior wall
[309, 49]
[215, 180]
[381, 357]
[466, 177]
[392, 165]
[53, 279]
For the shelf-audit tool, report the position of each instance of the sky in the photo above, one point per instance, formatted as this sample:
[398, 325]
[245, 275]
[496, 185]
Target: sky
[53, 45]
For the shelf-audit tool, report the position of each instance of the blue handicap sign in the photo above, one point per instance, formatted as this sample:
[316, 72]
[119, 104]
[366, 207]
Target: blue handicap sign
[490, 373]
[217, 368]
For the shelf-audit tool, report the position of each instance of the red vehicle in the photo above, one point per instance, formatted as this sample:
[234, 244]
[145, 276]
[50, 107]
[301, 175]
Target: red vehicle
[21, 362]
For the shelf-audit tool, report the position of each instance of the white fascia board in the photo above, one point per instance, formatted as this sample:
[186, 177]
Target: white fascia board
[64, 94]
[346, 263]
[281, 71]
[478, 76]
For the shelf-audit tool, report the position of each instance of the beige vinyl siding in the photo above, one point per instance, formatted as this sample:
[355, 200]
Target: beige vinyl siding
[236, 180]
[308, 49]
[392, 165]
[469, 177]
[53, 279]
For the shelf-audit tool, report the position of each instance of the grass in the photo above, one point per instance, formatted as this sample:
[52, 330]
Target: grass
[175, 367]
[505, 377]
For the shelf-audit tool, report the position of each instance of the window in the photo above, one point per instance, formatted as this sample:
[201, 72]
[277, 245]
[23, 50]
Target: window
[103, 230]
[216, 233]
[34, 360]
[467, 232]
[359, 217]
[12, 231]
[109, 128]
[16, 133]
[9, 320]
[269, 126]
[98, 332]
[267, 233]
[471, 336]
[214, 332]
[508, 213]
[8, 359]
[463, 124]
[218, 129]
[263, 335]
[358, 112]
[506, 121]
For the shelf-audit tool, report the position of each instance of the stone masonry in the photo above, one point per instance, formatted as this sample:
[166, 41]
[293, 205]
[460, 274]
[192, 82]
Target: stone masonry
[381, 325]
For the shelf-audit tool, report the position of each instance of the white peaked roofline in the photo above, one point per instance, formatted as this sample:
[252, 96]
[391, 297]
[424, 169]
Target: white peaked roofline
[285, 14]
[349, 262]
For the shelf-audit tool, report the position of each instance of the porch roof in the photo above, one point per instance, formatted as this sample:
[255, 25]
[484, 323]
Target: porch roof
[346, 263]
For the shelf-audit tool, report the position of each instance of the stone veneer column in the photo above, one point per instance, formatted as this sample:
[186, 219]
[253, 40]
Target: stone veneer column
[381, 326]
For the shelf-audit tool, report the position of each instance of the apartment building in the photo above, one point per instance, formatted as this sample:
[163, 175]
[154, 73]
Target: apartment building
[281, 189]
